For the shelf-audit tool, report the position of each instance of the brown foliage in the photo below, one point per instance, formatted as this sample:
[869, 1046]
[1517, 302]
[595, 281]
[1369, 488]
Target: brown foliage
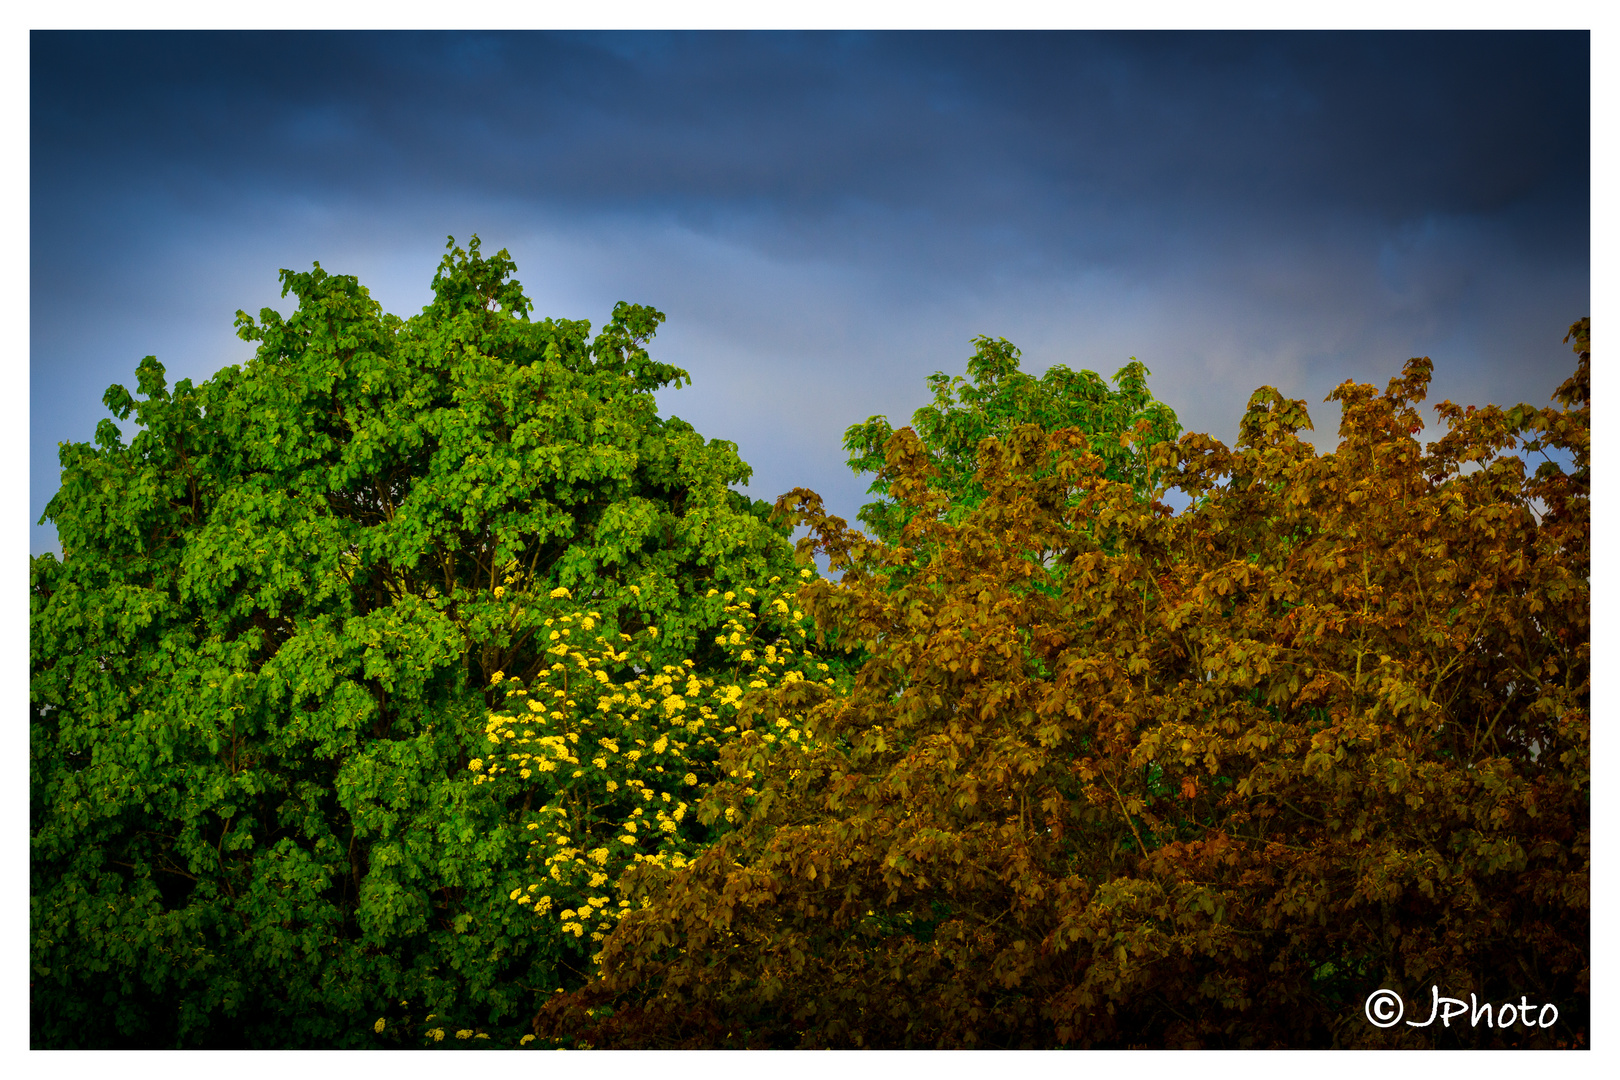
[1117, 777]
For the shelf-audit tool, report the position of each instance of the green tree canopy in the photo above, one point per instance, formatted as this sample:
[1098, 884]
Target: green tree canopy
[266, 655]
[989, 402]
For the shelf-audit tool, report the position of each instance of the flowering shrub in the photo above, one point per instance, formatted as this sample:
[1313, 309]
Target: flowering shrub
[620, 766]
[616, 756]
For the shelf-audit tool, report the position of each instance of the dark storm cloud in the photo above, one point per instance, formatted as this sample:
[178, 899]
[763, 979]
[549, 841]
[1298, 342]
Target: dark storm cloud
[1026, 124]
[842, 210]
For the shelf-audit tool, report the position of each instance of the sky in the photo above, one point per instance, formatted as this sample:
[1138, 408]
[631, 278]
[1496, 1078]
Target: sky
[828, 218]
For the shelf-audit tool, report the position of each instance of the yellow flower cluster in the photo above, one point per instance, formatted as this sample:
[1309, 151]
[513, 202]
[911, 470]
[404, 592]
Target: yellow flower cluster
[611, 752]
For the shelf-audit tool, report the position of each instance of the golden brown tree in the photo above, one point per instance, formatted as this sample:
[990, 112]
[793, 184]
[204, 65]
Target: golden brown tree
[1113, 776]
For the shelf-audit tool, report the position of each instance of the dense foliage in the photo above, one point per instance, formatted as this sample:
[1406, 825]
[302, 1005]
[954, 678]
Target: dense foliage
[992, 399]
[415, 683]
[282, 617]
[1116, 777]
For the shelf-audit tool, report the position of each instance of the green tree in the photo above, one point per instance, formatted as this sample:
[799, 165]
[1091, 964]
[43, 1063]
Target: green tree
[265, 658]
[999, 398]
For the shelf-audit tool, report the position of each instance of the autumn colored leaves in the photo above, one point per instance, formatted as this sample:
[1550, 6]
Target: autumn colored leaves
[1112, 776]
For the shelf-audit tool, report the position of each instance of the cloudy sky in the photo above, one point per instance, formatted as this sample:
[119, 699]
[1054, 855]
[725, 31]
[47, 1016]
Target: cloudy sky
[826, 219]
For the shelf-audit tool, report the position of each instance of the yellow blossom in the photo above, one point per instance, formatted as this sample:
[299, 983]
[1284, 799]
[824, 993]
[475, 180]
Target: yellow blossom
[559, 593]
[379, 1025]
